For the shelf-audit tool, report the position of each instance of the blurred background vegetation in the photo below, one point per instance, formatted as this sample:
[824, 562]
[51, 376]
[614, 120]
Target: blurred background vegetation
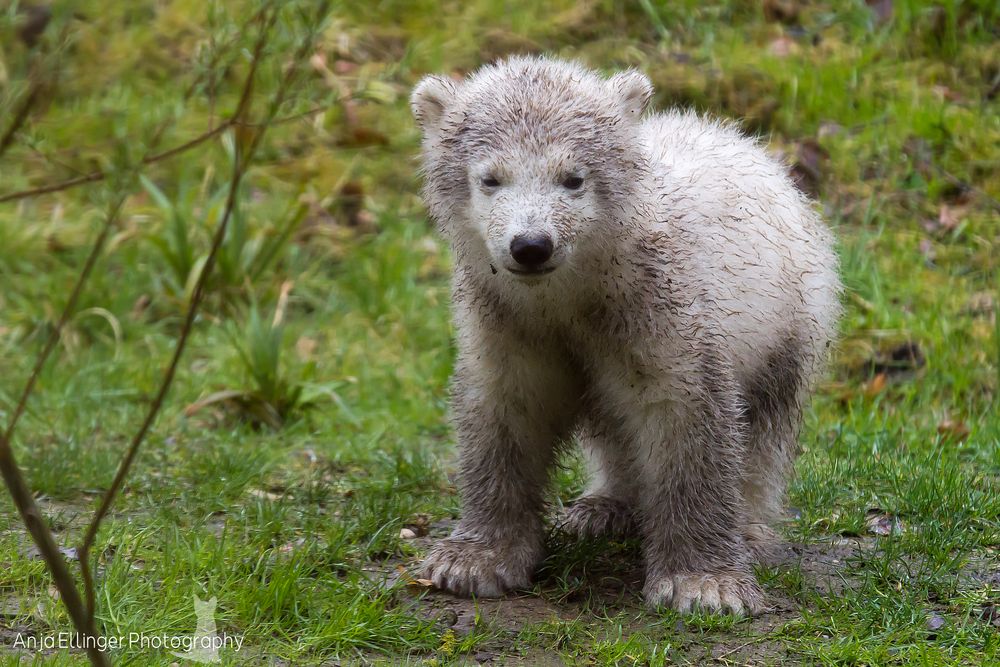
[307, 425]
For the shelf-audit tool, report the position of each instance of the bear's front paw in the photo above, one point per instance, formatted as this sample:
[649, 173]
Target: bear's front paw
[468, 566]
[734, 592]
[593, 516]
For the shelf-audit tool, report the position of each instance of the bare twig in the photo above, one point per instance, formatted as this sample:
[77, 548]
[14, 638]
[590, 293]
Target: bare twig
[81, 613]
[243, 157]
[100, 175]
[19, 491]
[82, 610]
[19, 117]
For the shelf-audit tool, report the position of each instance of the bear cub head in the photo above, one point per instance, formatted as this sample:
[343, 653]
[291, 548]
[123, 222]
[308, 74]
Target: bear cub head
[528, 161]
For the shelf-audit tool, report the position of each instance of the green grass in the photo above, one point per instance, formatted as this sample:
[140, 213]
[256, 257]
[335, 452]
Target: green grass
[286, 499]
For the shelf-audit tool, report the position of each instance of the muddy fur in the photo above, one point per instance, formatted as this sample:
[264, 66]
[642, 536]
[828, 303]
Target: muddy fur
[676, 328]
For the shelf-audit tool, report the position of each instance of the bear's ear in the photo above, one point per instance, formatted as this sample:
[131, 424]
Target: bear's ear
[430, 98]
[633, 91]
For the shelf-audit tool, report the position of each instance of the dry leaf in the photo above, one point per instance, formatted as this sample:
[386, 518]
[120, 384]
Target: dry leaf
[876, 385]
[783, 47]
[783, 11]
[950, 216]
[954, 429]
[266, 495]
[879, 522]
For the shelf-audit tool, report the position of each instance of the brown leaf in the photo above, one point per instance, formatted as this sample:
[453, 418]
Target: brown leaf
[950, 216]
[954, 429]
[360, 137]
[879, 522]
[265, 495]
[876, 385]
[783, 47]
[343, 67]
[420, 524]
[782, 11]
[409, 580]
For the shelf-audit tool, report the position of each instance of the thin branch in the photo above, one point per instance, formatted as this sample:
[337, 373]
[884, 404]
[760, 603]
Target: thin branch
[22, 115]
[19, 490]
[100, 175]
[81, 614]
[241, 163]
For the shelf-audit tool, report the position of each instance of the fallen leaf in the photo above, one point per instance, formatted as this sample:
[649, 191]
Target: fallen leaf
[954, 429]
[265, 495]
[343, 67]
[879, 522]
[783, 47]
[782, 11]
[876, 385]
[420, 524]
[291, 546]
[949, 217]
[359, 137]
[410, 581]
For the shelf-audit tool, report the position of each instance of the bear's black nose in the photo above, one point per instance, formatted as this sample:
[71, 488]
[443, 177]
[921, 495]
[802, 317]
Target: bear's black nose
[531, 250]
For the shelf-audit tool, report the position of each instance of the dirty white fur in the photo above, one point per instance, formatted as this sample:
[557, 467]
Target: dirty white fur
[690, 297]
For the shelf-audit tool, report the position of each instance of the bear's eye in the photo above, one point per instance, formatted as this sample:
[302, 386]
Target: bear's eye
[572, 182]
[490, 181]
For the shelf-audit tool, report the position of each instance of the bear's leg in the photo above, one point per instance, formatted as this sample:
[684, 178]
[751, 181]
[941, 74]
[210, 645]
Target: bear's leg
[510, 409]
[689, 459]
[608, 504]
[773, 398]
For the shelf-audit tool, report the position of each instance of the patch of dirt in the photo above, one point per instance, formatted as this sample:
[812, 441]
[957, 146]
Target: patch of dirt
[613, 583]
